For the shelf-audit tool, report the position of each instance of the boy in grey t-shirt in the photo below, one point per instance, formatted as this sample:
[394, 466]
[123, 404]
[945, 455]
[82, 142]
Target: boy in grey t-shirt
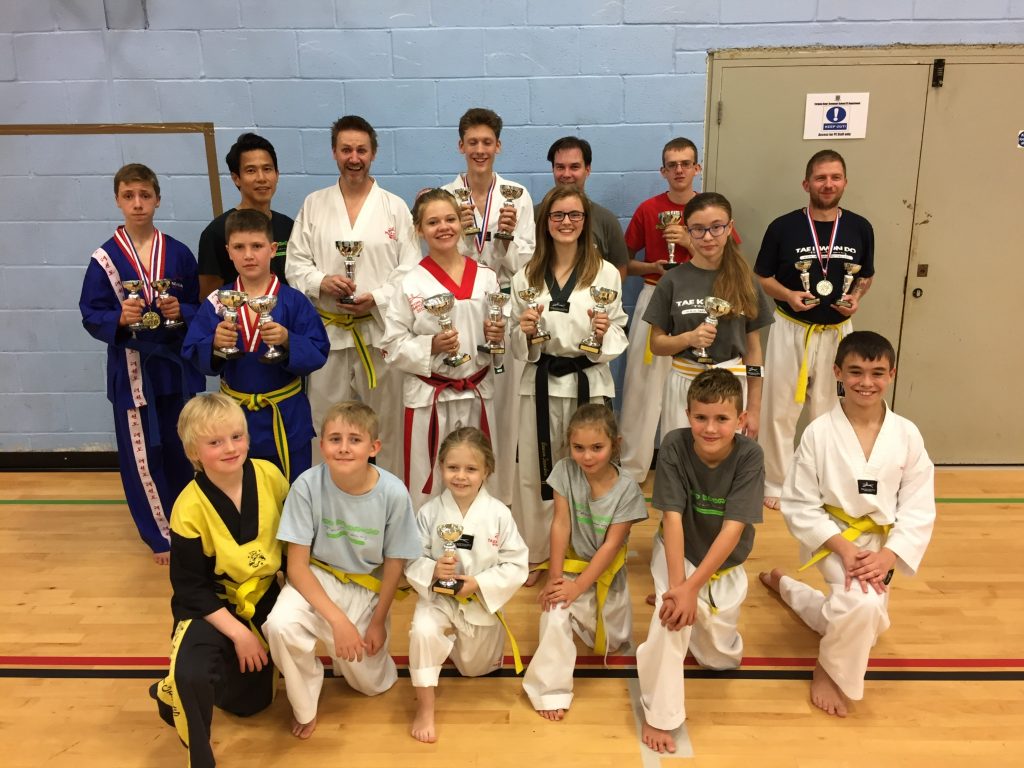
[349, 528]
[708, 484]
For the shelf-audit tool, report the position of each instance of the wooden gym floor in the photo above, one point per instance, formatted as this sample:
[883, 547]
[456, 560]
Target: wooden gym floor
[86, 624]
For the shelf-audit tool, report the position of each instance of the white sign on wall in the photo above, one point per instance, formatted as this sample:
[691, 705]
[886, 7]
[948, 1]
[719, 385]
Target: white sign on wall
[836, 116]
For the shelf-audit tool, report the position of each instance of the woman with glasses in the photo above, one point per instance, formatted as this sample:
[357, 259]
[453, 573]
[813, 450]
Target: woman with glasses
[548, 331]
[682, 327]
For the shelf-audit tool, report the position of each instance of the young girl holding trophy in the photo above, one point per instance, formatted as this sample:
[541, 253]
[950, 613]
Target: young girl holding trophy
[708, 312]
[473, 562]
[567, 324]
[436, 336]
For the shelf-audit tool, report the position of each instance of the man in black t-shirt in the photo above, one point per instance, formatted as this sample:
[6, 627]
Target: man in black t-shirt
[252, 162]
[825, 243]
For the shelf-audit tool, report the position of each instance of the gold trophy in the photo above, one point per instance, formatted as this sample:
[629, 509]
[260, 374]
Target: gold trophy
[133, 287]
[349, 250]
[851, 270]
[263, 306]
[440, 306]
[715, 307]
[230, 302]
[495, 302]
[449, 533]
[602, 297]
[465, 199]
[667, 219]
[163, 287]
[803, 267]
[511, 193]
[529, 295]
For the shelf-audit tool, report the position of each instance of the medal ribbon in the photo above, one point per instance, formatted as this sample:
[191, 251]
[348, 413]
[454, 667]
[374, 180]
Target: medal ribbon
[480, 238]
[156, 259]
[831, 241]
[250, 328]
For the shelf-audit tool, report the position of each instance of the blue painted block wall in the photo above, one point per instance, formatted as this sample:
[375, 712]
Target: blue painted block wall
[626, 74]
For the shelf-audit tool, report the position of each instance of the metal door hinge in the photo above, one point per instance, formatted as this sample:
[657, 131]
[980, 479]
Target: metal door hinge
[938, 72]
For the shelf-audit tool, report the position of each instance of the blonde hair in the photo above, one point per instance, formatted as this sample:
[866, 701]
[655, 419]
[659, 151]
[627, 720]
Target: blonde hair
[355, 414]
[599, 416]
[588, 259]
[475, 439]
[735, 279]
[201, 416]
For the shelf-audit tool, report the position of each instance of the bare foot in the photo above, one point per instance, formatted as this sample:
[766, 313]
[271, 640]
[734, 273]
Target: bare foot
[423, 723]
[825, 694]
[651, 599]
[657, 739]
[551, 714]
[162, 558]
[771, 578]
[772, 502]
[303, 730]
[532, 579]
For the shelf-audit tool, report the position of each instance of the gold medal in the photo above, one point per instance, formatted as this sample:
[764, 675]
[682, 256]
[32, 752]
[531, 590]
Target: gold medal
[151, 321]
[824, 288]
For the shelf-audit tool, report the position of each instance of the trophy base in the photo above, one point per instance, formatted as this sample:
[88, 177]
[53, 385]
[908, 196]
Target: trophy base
[844, 304]
[670, 265]
[456, 360]
[586, 346]
[705, 360]
[470, 231]
[443, 588]
[228, 354]
[274, 358]
[487, 349]
[133, 327]
[540, 338]
[506, 236]
[347, 300]
[811, 302]
[169, 324]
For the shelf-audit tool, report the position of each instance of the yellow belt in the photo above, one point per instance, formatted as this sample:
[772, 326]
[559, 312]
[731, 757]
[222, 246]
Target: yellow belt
[574, 564]
[691, 370]
[648, 355]
[809, 330]
[511, 638]
[351, 323]
[857, 526]
[255, 402]
[715, 577]
[365, 580]
[245, 596]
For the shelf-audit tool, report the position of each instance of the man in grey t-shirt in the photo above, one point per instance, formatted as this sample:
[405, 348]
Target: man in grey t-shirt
[570, 159]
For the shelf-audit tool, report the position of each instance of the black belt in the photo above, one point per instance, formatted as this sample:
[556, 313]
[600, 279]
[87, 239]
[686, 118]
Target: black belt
[549, 365]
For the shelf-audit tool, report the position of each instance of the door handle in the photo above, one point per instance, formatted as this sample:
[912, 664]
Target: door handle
[917, 293]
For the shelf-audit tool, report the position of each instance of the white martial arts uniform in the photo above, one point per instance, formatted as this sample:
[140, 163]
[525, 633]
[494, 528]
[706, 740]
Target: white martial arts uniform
[505, 261]
[464, 400]
[896, 487]
[390, 247]
[705, 498]
[548, 680]
[567, 329]
[353, 534]
[643, 383]
[490, 550]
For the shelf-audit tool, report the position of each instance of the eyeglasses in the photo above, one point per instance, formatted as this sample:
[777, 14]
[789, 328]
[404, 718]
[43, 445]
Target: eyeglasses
[683, 165]
[716, 230]
[559, 216]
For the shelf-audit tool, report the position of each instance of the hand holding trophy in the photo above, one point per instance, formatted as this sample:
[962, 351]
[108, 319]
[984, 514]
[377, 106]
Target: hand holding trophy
[440, 306]
[349, 250]
[449, 533]
[851, 270]
[263, 306]
[668, 219]
[602, 297]
[465, 198]
[495, 302]
[715, 307]
[163, 286]
[134, 287]
[230, 303]
[803, 267]
[540, 334]
[512, 193]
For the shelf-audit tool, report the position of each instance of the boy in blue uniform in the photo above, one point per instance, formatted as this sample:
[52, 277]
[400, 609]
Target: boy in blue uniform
[147, 382]
[277, 409]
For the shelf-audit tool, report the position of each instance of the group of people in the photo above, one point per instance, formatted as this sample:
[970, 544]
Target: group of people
[451, 363]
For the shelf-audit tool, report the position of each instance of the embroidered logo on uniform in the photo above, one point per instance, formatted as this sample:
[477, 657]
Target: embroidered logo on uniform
[415, 303]
[256, 558]
[493, 541]
[867, 486]
[391, 233]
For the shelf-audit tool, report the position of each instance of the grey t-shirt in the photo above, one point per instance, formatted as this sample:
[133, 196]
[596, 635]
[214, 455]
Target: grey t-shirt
[589, 517]
[677, 306]
[705, 497]
[352, 533]
[607, 231]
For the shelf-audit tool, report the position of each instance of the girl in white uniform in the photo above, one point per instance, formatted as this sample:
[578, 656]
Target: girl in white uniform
[586, 592]
[559, 376]
[439, 397]
[489, 565]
